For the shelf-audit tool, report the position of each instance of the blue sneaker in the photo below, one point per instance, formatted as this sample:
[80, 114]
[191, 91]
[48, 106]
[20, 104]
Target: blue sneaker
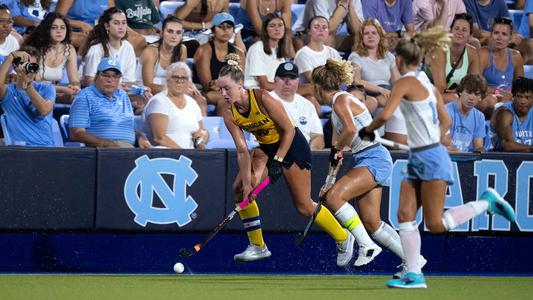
[409, 281]
[497, 205]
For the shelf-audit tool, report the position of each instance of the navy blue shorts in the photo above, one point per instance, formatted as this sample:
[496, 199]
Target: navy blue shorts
[298, 153]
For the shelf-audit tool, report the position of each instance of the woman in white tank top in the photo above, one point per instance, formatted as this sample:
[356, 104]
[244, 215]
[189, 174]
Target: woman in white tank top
[429, 169]
[56, 55]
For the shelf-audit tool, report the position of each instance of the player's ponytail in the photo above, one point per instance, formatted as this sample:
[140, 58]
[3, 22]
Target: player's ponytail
[232, 68]
[332, 74]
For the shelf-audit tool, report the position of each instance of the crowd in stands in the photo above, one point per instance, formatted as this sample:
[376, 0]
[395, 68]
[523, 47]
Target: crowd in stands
[134, 74]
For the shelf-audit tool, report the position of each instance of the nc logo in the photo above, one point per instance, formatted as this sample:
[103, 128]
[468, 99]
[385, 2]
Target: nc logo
[145, 179]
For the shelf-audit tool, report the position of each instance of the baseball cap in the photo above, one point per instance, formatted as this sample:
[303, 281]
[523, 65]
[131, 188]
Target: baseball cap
[221, 18]
[107, 64]
[287, 69]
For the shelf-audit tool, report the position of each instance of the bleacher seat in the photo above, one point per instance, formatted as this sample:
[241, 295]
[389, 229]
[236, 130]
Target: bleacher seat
[528, 71]
[516, 16]
[169, 7]
[63, 124]
[220, 137]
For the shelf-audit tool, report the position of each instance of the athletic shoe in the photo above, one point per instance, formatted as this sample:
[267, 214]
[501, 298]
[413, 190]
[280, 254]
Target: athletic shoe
[367, 254]
[403, 271]
[497, 205]
[409, 281]
[345, 250]
[253, 253]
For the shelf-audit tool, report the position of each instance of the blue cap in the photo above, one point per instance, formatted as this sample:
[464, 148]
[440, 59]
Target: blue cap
[221, 18]
[107, 64]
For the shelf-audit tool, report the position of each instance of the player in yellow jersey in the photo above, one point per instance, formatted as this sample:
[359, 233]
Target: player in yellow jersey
[288, 155]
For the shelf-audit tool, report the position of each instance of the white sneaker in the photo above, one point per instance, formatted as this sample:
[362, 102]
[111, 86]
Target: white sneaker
[345, 250]
[367, 254]
[253, 253]
[403, 271]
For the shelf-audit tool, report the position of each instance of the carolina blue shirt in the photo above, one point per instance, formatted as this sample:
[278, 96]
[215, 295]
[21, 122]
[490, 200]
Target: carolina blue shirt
[522, 132]
[523, 29]
[87, 11]
[465, 129]
[34, 12]
[107, 118]
[23, 120]
[484, 15]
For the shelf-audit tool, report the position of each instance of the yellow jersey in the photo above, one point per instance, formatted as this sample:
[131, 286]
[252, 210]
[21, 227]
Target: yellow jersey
[256, 123]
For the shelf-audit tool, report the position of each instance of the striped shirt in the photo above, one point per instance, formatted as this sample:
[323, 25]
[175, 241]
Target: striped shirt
[104, 117]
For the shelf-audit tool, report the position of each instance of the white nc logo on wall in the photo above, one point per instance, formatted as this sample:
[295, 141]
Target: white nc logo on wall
[146, 179]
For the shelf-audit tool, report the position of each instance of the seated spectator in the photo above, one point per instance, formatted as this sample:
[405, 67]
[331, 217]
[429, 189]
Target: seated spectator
[52, 39]
[394, 15]
[82, 15]
[460, 59]
[8, 42]
[500, 65]
[375, 69]
[264, 57]
[513, 121]
[28, 104]
[27, 14]
[142, 16]
[211, 56]
[102, 115]
[252, 14]
[299, 109]
[172, 118]
[430, 13]
[526, 46]
[108, 39]
[468, 124]
[337, 13]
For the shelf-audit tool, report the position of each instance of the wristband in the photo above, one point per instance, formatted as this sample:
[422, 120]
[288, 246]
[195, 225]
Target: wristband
[278, 158]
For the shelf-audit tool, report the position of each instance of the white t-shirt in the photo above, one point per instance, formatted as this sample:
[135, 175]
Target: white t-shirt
[324, 8]
[258, 63]
[182, 123]
[125, 55]
[10, 44]
[303, 114]
[307, 59]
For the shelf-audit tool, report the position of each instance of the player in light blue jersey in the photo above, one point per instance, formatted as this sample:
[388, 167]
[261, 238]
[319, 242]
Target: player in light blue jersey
[513, 121]
[429, 167]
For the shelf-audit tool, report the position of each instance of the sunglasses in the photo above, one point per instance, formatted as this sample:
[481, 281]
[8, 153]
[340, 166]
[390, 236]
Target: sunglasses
[503, 20]
[463, 16]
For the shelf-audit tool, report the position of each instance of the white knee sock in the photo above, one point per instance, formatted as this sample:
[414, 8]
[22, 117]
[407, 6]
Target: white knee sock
[456, 216]
[389, 238]
[411, 243]
[350, 220]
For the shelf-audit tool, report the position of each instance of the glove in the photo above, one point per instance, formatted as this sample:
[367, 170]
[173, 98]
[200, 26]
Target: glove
[335, 156]
[367, 136]
[274, 170]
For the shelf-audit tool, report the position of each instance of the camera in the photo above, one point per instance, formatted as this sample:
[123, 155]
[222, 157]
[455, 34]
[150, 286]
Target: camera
[28, 67]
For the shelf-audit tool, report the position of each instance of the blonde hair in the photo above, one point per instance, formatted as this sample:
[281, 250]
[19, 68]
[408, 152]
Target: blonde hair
[232, 67]
[413, 47]
[359, 46]
[332, 74]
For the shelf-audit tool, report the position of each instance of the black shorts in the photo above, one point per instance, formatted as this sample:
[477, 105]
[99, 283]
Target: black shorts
[298, 153]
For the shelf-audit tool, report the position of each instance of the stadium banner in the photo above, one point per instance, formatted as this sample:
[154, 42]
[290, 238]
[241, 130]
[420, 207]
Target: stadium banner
[47, 188]
[160, 189]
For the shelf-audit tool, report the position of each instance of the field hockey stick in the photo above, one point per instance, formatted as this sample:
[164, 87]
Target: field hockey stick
[391, 144]
[329, 182]
[187, 252]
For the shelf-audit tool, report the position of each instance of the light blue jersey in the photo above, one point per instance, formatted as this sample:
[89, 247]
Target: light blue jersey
[465, 129]
[522, 132]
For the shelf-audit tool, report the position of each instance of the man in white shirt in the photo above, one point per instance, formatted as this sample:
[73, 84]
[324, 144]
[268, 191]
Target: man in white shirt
[300, 110]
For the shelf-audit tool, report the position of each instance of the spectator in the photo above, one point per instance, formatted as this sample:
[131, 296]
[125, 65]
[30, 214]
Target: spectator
[513, 121]
[108, 39]
[299, 109]
[142, 16]
[172, 118]
[210, 57]
[375, 69]
[500, 65]
[526, 46]
[337, 13]
[28, 104]
[461, 58]
[102, 115]
[8, 42]
[430, 13]
[264, 57]
[27, 14]
[468, 124]
[52, 39]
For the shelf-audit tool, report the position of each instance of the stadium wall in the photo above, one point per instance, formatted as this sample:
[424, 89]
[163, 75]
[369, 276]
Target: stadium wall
[101, 210]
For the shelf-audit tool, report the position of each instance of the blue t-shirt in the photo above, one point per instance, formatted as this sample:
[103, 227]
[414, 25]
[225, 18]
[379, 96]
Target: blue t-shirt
[34, 12]
[522, 132]
[484, 15]
[24, 121]
[392, 18]
[87, 11]
[110, 119]
[465, 129]
[523, 29]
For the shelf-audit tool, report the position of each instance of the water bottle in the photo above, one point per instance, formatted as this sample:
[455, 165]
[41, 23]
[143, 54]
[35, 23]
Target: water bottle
[136, 89]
